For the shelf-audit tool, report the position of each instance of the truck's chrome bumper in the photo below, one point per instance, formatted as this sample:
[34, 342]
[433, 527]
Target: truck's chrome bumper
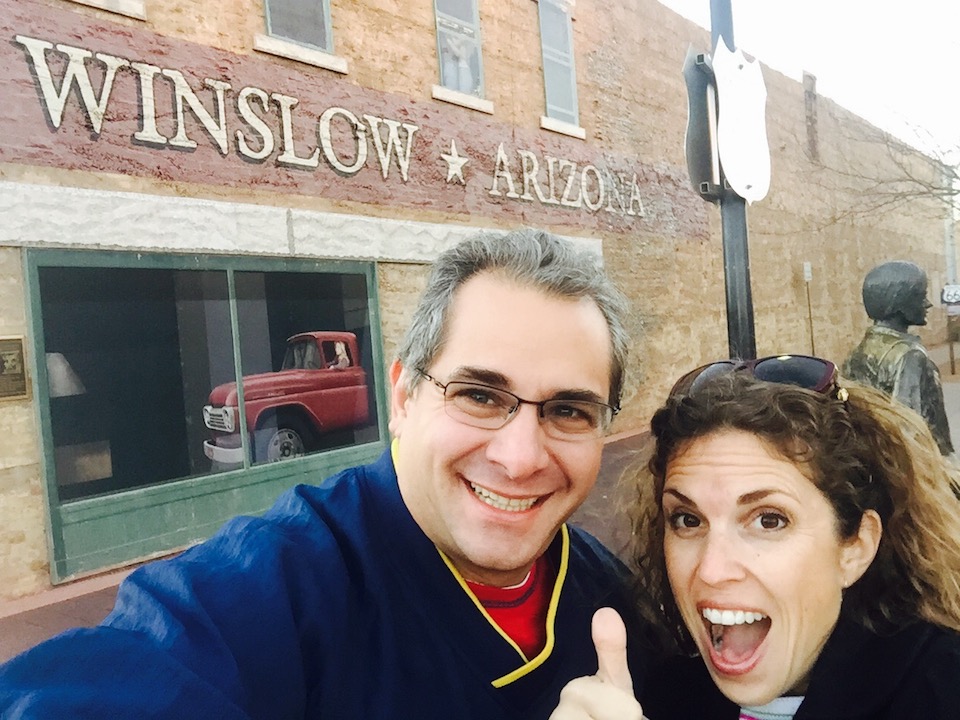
[224, 455]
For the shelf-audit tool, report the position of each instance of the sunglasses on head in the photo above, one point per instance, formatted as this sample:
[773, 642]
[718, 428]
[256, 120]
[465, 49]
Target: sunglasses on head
[804, 371]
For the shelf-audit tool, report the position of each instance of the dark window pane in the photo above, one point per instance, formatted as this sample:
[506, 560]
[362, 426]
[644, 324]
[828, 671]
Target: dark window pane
[131, 354]
[458, 43]
[302, 21]
[559, 86]
[558, 68]
[464, 10]
[459, 63]
[554, 27]
[141, 373]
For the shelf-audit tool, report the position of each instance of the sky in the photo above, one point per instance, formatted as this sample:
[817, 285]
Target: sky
[897, 64]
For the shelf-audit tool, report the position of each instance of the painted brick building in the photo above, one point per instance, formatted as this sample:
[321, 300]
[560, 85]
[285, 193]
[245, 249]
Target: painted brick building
[185, 185]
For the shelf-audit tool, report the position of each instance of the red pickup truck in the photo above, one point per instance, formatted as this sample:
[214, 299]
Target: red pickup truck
[320, 387]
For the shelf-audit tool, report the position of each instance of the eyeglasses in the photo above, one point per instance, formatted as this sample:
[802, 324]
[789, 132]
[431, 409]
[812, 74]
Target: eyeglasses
[805, 371]
[488, 407]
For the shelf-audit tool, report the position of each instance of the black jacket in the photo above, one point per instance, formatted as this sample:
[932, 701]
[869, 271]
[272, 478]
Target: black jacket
[914, 673]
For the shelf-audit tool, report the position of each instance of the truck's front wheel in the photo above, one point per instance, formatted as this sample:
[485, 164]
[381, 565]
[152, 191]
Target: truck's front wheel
[287, 439]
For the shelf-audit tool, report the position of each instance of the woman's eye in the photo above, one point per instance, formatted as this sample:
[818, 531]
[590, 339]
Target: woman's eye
[684, 520]
[771, 521]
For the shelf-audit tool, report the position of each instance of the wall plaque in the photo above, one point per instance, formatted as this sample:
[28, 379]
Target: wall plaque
[13, 369]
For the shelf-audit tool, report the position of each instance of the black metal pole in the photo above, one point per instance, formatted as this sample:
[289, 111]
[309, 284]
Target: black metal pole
[733, 212]
[736, 269]
[721, 23]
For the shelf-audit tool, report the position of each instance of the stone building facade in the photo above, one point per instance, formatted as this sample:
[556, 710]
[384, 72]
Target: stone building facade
[183, 188]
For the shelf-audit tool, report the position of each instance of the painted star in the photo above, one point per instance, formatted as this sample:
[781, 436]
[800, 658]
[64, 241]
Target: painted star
[455, 163]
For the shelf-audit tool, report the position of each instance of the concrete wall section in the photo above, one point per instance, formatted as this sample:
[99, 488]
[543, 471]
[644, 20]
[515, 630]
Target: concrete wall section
[49, 216]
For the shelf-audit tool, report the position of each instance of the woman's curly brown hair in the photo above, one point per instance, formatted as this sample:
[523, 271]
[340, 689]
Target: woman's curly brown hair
[867, 453]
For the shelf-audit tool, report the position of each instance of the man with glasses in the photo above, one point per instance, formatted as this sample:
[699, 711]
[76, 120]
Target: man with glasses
[440, 581]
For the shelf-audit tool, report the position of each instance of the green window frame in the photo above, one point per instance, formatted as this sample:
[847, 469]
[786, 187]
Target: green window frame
[559, 70]
[118, 525]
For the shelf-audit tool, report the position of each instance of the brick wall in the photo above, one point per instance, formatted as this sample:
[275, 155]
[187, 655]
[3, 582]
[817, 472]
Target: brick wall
[632, 104]
[23, 541]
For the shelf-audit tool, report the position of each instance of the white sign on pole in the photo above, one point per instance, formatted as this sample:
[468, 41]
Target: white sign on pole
[741, 125]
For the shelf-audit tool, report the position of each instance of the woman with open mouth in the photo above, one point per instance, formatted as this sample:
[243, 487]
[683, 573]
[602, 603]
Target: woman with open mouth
[803, 541]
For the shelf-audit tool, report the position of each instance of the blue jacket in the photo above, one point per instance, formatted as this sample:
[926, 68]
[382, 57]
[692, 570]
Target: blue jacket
[911, 674]
[332, 605]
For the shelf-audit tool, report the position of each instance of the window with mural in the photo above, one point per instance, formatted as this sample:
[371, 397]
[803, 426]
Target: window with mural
[559, 74]
[306, 22]
[142, 368]
[458, 46]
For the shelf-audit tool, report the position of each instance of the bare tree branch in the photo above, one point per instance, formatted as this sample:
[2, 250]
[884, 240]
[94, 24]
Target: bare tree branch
[883, 173]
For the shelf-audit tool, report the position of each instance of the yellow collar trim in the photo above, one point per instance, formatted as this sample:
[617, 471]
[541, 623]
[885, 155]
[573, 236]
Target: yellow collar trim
[529, 665]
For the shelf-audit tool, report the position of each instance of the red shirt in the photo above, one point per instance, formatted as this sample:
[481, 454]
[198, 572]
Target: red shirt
[521, 611]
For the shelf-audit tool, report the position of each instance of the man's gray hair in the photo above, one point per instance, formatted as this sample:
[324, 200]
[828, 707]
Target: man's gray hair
[532, 258]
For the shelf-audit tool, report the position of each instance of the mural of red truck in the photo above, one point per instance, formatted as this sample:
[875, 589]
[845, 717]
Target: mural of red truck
[320, 388]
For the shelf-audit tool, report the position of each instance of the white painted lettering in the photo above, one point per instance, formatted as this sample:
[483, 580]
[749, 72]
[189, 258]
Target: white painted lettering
[183, 92]
[342, 136]
[148, 132]
[395, 147]
[326, 141]
[635, 199]
[530, 168]
[552, 179]
[289, 154]
[567, 199]
[502, 170]
[615, 193]
[55, 100]
[255, 122]
[584, 188]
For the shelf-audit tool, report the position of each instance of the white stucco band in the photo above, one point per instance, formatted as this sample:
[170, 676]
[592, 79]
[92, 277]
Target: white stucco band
[51, 216]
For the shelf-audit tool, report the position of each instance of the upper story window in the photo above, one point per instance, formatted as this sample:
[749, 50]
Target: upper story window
[458, 44]
[301, 21]
[300, 30]
[559, 74]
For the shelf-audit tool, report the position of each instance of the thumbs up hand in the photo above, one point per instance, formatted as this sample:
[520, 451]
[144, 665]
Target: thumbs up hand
[608, 695]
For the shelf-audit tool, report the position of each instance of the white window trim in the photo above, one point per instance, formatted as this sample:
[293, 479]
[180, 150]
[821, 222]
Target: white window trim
[300, 53]
[466, 100]
[564, 128]
[135, 9]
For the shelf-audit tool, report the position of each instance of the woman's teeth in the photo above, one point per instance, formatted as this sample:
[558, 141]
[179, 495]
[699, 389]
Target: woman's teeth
[731, 617]
[503, 503]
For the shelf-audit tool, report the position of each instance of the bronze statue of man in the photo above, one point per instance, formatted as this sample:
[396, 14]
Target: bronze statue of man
[891, 359]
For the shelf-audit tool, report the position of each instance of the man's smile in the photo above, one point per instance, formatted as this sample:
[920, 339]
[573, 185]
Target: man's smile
[500, 502]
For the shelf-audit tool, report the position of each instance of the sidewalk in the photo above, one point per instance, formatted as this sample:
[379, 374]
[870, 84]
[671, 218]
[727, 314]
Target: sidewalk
[23, 623]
